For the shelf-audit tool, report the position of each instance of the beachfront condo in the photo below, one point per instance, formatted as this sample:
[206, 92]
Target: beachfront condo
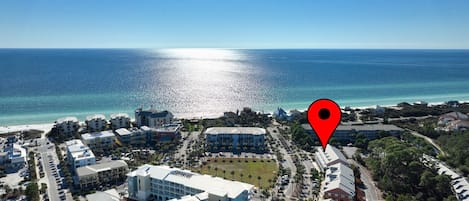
[152, 118]
[111, 172]
[160, 183]
[95, 123]
[235, 139]
[67, 126]
[103, 140]
[120, 120]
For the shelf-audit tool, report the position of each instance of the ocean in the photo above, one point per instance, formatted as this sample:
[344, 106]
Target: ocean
[41, 85]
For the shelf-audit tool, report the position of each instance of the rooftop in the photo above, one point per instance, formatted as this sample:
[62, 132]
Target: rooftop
[123, 131]
[83, 154]
[119, 115]
[235, 130]
[66, 119]
[363, 127]
[170, 128]
[78, 150]
[93, 169]
[329, 155]
[73, 142]
[455, 115]
[95, 116]
[196, 197]
[109, 195]
[212, 185]
[155, 114]
[340, 176]
[102, 134]
[146, 128]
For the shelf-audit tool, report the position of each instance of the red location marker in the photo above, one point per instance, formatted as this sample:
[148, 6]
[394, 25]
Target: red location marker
[324, 116]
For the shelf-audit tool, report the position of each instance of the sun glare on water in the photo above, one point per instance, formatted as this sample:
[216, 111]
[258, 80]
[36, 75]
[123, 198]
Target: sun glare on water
[202, 53]
[206, 80]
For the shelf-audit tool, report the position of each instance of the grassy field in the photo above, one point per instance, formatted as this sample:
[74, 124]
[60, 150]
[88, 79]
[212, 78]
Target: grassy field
[267, 170]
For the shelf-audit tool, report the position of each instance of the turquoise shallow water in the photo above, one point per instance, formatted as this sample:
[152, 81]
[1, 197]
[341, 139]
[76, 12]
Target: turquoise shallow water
[41, 85]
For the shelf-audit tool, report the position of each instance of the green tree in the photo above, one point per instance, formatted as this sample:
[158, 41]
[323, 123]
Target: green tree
[232, 174]
[32, 192]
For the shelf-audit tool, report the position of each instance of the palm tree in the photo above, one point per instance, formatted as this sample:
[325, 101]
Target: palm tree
[250, 177]
[241, 175]
[259, 180]
[232, 174]
[224, 173]
[216, 171]
[209, 167]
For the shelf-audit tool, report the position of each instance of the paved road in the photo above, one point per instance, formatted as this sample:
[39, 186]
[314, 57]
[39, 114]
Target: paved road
[429, 140]
[309, 164]
[408, 118]
[372, 192]
[182, 152]
[288, 163]
[45, 152]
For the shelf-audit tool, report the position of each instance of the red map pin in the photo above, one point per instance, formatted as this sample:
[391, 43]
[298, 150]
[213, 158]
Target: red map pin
[324, 116]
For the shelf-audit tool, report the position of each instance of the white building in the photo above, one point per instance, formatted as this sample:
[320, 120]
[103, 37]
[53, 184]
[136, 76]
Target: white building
[104, 140]
[133, 136]
[235, 139]
[13, 156]
[152, 118]
[110, 172]
[329, 157]
[339, 183]
[95, 123]
[164, 183]
[67, 125]
[78, 154]
[120, 120]
[109, 195]
[198, 197]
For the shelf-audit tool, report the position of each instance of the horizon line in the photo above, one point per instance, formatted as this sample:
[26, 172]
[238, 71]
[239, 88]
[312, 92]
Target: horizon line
[272, 48]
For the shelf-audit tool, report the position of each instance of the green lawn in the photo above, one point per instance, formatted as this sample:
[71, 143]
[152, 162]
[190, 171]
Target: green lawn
[265, 168]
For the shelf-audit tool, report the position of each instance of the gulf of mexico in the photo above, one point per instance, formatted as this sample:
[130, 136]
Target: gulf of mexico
[41, 85]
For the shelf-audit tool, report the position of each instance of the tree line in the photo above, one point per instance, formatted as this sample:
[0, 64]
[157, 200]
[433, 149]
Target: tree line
[400, 172]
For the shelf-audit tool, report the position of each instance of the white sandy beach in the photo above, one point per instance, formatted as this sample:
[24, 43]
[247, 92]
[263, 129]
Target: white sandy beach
[44, 127]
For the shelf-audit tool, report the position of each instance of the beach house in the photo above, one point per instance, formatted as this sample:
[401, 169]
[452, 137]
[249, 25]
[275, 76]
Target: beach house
[95, 123]
[120, 120]
[152, 118]
[67, 126]
[235, 139]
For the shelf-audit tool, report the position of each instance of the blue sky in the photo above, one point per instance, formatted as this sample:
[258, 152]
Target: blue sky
[235, 24]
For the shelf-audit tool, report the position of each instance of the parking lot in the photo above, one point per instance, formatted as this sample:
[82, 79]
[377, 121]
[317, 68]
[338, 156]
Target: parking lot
[53, 176]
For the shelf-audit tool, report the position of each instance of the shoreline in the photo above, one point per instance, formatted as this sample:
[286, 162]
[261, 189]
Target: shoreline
[46, 127]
